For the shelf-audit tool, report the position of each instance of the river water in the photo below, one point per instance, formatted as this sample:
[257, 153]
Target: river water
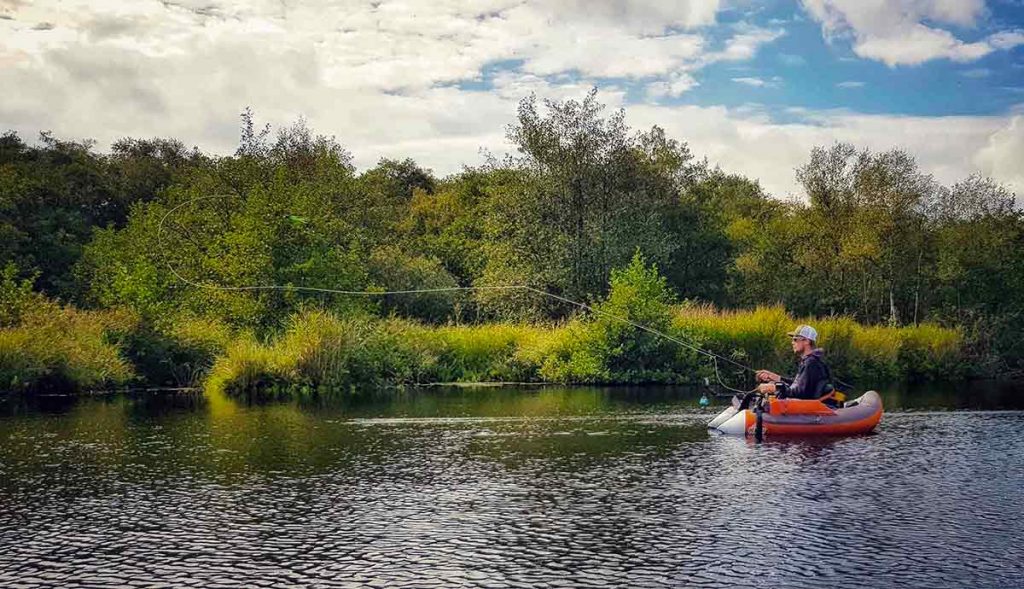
[504, 488]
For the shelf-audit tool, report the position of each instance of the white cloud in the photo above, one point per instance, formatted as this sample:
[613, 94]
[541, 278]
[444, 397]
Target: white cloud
[758, 82]
[753, 144]
[392, 79]
[850, 84]
[187, 67]
[751, 81]
[907, 32]
[392, 43]
[918, 44]
[1001, 157]
[1007, 40]
[610, 53]
[675, 85]
[745, 43]
[642, 16]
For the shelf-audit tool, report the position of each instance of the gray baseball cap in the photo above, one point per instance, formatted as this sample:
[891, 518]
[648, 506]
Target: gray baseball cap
[805, 331]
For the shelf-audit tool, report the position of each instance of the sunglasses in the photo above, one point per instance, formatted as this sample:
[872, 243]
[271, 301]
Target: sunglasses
[797, 338]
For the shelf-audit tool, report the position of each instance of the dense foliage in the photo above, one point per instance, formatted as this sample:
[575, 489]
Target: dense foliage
[587, 208]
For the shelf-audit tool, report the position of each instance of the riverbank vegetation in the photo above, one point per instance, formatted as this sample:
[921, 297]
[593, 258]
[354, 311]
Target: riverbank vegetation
[111, 260]
[321, 351]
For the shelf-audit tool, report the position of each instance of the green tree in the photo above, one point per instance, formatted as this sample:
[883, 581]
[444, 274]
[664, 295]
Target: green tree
[53, 195]
[16, 296]
[586, 192]
[277, 214]
[50, 198]
[978, 279]
[445, 224]
[865, 243]
[394, 270]
[723, 228]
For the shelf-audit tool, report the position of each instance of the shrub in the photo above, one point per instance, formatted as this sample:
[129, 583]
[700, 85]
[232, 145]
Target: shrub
[931, 351]
[578, 356]
[16, 296]
[607, 346]
[876, 353]
[750, 337]
[482, 352]
[395, 270]
[61, 348]
[176, 351]
[321, 351]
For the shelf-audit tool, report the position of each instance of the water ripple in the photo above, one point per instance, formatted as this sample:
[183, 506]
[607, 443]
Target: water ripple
[280, 497]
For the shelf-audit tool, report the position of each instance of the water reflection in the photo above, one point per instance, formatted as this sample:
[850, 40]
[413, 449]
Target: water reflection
[491, 487]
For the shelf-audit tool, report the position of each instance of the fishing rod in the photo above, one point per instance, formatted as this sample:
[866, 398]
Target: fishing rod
[714, 357]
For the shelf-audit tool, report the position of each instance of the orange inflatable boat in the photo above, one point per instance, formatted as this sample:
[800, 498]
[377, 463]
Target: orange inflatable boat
[798, 417]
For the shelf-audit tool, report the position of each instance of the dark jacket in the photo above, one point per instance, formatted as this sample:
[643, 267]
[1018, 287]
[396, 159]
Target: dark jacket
[811, 378]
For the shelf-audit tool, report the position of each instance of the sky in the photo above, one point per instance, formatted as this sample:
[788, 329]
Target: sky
[751, 85]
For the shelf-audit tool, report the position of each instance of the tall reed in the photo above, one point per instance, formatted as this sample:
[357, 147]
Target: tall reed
[854, 351]
[54, 347]
[61, 348]
[320, 351]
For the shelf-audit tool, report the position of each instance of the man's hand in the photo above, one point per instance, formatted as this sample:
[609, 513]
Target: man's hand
[767, 376]
[766, 388]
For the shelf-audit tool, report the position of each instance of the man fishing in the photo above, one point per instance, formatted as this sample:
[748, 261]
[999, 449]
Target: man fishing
[813, 378]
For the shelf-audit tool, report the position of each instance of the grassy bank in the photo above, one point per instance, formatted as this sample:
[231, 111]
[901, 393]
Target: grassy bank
[324, 352]
[67, 349]
[63, 349]
[44, 345]
[854, 351]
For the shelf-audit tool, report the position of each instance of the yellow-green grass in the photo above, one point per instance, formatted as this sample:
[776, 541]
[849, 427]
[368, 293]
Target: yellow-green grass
[56, 347]
[321, 351]
[758, 337]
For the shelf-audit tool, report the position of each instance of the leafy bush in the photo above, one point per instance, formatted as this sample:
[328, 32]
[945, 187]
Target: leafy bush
[320, 350]
[876, 352]
[395, 270]
[16, 296]
[578, 356]
[53, 346]
[750, 337]
[176, 351]
[608, 346]
[481, 352]
[931, 351]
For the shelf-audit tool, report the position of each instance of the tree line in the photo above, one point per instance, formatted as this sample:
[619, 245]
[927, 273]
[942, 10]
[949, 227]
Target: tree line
[876, 239]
